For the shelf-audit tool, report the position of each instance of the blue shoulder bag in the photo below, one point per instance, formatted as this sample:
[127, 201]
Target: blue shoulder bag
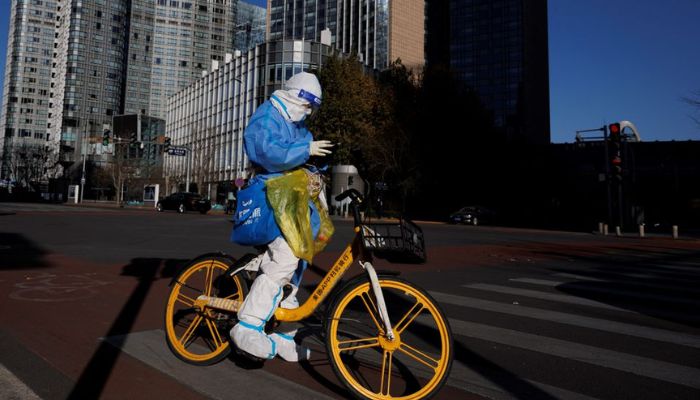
[254, 222]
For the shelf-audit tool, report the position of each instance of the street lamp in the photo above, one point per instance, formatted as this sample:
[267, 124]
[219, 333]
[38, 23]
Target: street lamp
[82, 150]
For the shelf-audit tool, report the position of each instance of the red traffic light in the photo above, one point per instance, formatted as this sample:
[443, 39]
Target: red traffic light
[614, 129]
[616, 160]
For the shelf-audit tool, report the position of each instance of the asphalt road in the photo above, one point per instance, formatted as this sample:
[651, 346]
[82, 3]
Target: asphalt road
[535, 314]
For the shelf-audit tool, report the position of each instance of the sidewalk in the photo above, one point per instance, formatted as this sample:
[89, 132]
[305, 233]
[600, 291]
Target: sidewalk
[12, 387]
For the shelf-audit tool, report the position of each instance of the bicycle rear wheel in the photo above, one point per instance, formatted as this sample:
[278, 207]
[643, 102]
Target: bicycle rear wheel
[195, 334]
[414, 365]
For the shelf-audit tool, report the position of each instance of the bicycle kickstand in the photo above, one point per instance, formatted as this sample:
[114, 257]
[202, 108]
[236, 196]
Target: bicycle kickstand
[381, 304]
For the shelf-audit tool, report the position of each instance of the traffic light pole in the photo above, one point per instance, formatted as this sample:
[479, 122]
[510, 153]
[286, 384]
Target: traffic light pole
[580, 139]
[84, 151]
[607, 172]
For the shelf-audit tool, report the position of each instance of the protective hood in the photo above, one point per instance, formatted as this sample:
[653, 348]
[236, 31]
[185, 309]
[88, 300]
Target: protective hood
[292, 107]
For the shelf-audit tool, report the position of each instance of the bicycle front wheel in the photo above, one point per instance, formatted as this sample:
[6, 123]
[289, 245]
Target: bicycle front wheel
[196, 334]
[414, 365]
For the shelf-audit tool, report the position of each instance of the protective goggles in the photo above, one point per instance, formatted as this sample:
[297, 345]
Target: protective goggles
[311, 98]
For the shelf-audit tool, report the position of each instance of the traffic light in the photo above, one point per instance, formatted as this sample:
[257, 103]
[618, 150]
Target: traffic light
[616, 162]
[105, 137]
[166, 144]
[616, 142]
[615, 134]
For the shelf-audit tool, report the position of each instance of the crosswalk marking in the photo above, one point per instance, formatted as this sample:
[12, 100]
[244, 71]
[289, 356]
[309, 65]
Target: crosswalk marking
[619, 292]
[618, 276]
[637, 365]
[561, 298]
[545, 282]
[660, 335]
[569, 299]
[463, 377]
[220, 381]
[695, 269]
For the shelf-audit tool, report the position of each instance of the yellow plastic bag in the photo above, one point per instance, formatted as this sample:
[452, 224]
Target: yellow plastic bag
[289, 197]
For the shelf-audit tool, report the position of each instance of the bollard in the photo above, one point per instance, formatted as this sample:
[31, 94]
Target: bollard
[641, 230]
[618, 232]
[675, 231]
[605, 229]
[600, 227]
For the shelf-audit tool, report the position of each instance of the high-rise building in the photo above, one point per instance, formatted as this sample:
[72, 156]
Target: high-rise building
[499, 49]
[382, 31]
[301, 19]
[25, 104]
[89, 66]
[378, 31]
[170, 44]
[251, 23]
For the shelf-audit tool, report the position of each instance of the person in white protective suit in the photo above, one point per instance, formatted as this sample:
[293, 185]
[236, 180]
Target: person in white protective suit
[277, 140]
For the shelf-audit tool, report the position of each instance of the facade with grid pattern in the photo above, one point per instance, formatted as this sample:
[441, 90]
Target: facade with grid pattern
[211, 114]
[25, 106]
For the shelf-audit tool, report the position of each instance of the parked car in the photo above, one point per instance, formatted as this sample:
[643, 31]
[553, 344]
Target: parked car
[472, 215]
[183, 201]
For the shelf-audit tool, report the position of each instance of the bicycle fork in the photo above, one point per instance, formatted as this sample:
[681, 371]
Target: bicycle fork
[381, 304]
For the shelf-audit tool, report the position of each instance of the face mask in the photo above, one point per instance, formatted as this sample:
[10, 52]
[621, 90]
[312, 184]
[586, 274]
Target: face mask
[292, 108]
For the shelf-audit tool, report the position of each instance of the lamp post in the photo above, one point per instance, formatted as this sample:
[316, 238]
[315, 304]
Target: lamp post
[82, 150]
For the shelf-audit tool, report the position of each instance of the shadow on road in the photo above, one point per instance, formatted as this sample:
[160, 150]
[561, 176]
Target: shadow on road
[18, 252]
[94, 377]
[659, 282]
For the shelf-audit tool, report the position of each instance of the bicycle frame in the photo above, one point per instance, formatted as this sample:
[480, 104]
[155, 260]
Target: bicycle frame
[353, 252]
[326, 285]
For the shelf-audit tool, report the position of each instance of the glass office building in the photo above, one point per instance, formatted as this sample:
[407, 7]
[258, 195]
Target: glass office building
[88, 72]
[170, 44]
[378, 31]
[210, 115]
[25, 100]
[301, 19]
[499, 49]
[251, 23]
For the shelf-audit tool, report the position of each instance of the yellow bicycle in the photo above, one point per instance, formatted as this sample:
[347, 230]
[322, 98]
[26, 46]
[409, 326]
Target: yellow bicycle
[385, 337]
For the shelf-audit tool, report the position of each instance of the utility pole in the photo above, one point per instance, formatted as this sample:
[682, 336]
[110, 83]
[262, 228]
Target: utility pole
[189, 166]
[82, 150]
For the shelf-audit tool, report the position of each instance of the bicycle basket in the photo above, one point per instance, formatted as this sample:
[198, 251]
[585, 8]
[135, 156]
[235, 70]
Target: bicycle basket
[395, 242]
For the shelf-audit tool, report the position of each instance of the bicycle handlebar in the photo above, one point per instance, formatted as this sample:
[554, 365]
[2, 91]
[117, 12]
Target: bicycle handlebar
[355, 196]
[355, 201]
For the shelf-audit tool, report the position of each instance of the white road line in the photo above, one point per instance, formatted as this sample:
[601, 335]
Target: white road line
[561, 298]
[220, 381]
[617, 276]
[465, 378]
[661, 370]
[618, 292]
[12, 387]
[661, 335]
[543, 282]
[569, 299]
[695, 269]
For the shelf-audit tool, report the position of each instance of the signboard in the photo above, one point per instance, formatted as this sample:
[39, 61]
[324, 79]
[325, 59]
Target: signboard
[177, 151]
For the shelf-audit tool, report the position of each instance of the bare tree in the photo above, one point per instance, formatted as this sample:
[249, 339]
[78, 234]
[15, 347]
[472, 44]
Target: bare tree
[202, 160]
[694, 101]
[31, 163]
[123, 168]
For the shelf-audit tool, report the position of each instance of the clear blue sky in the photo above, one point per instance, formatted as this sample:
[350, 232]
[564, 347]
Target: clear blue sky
[608, 61]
